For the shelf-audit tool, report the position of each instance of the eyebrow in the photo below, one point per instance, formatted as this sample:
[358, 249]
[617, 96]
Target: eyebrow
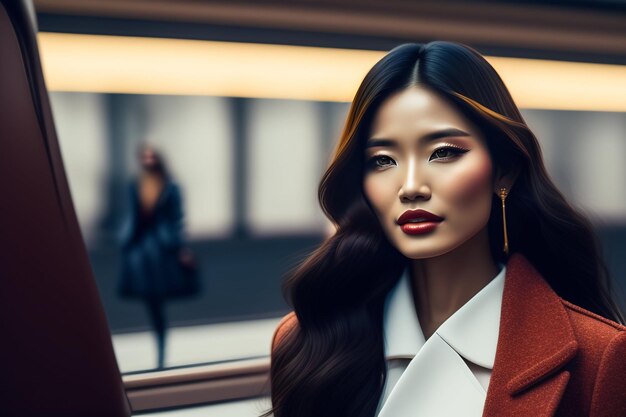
[444, 133]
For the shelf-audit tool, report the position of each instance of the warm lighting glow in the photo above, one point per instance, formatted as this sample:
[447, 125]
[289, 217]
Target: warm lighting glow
[558, 85]
[117, 64]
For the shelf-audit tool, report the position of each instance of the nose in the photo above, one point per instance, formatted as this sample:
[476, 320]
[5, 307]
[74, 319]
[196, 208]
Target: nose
[415, 185]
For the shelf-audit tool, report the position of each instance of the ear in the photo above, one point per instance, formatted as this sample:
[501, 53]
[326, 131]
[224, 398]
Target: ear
[505, 181]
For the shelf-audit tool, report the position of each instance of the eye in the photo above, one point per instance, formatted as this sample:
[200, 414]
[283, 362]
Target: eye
[447, 152]
[380, 161]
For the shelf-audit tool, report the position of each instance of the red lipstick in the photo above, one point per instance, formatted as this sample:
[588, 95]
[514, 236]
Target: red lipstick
[414, 222]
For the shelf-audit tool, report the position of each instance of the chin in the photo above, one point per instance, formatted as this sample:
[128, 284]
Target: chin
[425, 253]
[424, 247]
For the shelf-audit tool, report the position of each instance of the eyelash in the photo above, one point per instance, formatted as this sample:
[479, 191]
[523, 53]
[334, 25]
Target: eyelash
[457, 151]
[373, 161]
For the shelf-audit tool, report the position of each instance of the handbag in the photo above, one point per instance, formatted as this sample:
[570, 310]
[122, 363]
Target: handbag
[188, 282]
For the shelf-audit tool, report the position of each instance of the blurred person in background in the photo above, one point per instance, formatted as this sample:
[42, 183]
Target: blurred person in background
[156, 264]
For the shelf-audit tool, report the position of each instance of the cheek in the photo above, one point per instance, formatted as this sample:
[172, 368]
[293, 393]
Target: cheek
[470, 183]
[378, 192]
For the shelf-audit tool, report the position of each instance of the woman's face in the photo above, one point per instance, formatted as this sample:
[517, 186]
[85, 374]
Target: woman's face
[148, 158]
[424, 154]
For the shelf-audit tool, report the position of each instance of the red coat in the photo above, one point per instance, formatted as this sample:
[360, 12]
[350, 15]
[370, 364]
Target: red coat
[553, 357]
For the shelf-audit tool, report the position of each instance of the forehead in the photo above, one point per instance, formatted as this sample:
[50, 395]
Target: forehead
[417, 110]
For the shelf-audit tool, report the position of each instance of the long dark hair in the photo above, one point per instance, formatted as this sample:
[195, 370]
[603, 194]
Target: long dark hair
[332, 363]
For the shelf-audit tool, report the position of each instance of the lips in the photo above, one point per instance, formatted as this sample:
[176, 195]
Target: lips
[418, 222]
[417, 216]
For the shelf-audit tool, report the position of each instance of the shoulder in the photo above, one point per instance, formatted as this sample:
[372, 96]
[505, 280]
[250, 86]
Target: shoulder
[602, 344]
[592, 327]
[173, 191]
[285, 325]
[132, 186]
[174, 188]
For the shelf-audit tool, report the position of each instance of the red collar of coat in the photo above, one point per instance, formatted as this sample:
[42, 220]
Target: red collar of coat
[536, 340]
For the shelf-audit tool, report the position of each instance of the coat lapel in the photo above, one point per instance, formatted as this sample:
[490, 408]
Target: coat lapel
[437, 381]
[535, 342]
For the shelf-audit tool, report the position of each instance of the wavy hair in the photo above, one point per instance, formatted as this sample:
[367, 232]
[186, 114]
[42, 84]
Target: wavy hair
[332, 363]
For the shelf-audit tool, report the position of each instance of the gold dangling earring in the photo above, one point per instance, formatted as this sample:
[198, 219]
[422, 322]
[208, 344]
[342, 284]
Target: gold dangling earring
[503, 194]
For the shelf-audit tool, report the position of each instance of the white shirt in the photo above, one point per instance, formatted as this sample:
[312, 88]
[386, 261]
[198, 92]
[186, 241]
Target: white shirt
[431, 377]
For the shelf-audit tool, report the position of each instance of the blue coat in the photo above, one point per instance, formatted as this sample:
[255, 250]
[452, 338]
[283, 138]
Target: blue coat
[150, 266]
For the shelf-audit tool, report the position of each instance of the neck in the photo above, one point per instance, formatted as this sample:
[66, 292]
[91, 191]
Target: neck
[441, 285]
[151, 175]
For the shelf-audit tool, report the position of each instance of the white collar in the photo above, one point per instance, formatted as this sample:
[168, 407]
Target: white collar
[472, 331]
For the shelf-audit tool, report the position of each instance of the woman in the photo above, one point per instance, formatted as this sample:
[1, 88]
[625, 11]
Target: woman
[459, 281]
[155, 264]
